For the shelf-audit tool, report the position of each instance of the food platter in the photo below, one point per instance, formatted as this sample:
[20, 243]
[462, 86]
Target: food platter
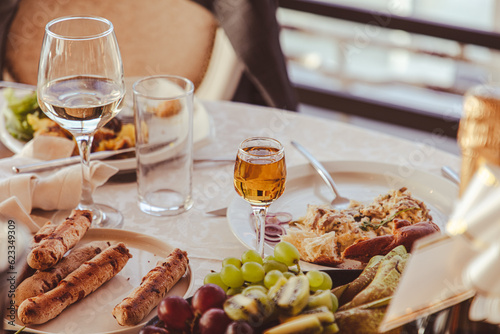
[94, 312]
[339, 277]
[202, 130]
[360, 180]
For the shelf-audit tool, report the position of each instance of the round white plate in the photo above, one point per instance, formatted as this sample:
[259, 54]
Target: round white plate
[93, 314]
[358, 180]
[202, 131]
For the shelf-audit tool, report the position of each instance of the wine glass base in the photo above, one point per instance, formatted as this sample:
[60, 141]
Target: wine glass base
[111, 218]
[108, 217]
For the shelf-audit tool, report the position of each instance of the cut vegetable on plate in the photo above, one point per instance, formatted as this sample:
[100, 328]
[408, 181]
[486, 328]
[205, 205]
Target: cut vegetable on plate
[16, 113]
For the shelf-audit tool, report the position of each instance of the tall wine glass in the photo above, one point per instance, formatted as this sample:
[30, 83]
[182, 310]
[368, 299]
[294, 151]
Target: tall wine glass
[80, 87]
[259, 177]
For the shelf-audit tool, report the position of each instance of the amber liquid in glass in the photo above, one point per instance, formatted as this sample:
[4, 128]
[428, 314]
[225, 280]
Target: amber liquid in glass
[260, 180]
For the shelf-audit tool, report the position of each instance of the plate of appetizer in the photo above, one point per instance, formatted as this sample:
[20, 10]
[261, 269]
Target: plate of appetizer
[285, 299]
[21, 119]
[387, 198]
[102, 291]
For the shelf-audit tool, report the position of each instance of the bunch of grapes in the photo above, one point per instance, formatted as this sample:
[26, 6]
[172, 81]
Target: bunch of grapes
[203, 314]
[251, 269]
[211, 309]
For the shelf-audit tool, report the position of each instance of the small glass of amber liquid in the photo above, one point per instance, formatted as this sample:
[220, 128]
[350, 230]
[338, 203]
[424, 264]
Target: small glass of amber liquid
[259, 177]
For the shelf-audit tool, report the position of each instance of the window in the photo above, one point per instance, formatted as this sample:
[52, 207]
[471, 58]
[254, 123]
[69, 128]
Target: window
[402, 61]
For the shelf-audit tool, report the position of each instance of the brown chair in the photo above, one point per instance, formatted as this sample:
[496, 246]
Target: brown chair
[155, 37]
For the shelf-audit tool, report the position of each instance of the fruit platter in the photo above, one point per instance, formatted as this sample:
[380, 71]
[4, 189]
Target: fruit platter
[273, 295]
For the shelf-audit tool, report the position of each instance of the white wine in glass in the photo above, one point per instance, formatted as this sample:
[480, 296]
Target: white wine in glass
[81, 87]
[259, 177]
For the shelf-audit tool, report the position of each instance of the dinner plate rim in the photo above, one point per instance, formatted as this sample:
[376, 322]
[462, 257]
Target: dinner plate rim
[333, 166]
[117, 235]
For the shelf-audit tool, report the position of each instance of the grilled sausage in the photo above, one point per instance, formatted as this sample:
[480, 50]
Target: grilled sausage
[52, 248]
[45, 280]
[43, 232]
[154, 286]
[79, 284]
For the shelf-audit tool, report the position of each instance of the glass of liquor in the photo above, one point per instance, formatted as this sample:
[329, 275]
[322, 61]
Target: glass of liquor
[80, 87]
[259, 177]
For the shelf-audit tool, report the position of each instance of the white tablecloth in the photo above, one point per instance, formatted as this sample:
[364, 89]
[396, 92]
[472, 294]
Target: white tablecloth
[208, 239]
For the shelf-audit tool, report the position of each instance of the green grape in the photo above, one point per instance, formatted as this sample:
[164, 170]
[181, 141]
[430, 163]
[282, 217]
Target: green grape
[286, 253]
[315, 278]
[251, 256]
[269, 258]
[214, 278]
[231, 276]
[327, 282]
[231, 260]
[252, 272]
[272, 277]
[250, 289]
[275, 265]
[288, 274]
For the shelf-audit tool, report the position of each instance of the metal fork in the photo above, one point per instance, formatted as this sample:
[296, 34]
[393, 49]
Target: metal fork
[339, 202]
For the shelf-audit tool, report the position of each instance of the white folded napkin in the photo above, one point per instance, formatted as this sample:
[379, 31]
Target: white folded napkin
[47, 148]
[49, 190]
[58, 191]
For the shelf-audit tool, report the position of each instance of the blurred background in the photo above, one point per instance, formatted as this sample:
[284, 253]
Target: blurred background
[393, 65]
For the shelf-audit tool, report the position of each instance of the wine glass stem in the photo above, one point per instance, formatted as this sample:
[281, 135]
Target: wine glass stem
[260, 213]
[84, 145]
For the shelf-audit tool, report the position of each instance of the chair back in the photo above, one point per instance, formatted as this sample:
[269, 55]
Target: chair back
[155, 36]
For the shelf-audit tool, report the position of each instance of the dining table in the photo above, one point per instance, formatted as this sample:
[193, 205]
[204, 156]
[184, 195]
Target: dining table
[208, 238]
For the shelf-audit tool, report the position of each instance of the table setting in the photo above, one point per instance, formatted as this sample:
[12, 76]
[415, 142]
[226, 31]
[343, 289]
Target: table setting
[203, 179]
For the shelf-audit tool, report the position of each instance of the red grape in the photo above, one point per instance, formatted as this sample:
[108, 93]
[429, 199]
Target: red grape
[239, 327]
[214, 321]
[206, 297]
[175, 312]
[153, 330]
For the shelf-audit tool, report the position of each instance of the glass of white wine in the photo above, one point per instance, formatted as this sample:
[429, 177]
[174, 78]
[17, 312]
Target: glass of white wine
[259, 177]
[80, 87]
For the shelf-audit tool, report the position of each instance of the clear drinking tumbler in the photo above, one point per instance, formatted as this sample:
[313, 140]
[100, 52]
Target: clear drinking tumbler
[163, 108]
